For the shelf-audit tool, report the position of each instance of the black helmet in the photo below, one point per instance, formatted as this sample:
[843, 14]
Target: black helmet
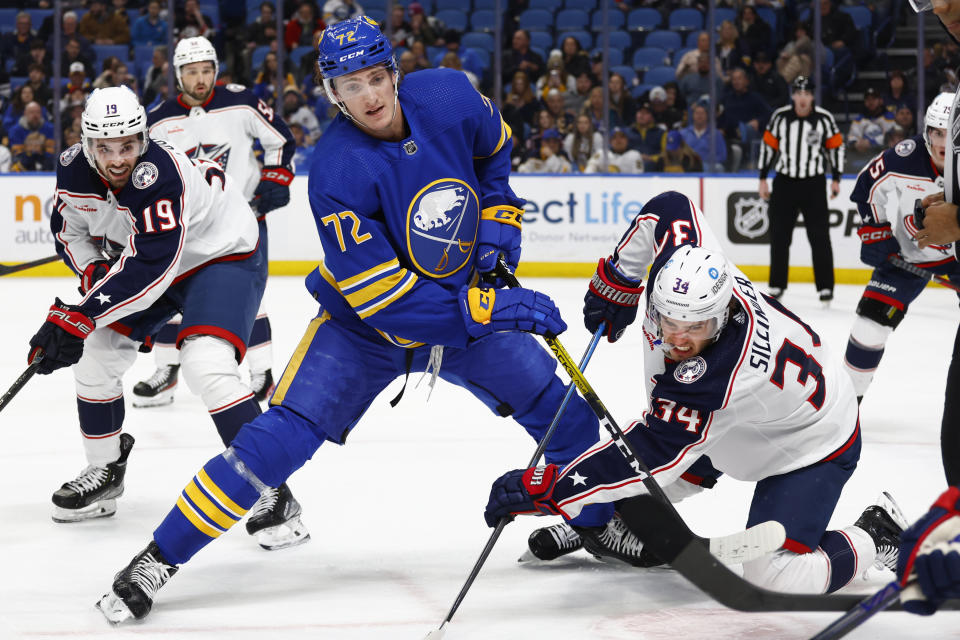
[802, 83]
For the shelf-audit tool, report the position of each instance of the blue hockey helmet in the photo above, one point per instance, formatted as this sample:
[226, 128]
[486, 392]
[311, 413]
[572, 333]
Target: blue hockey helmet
[352, 45]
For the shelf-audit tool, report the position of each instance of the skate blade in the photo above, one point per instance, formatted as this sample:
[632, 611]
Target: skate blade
[528, 557]
[100, 509]
[162, 399]
[113, 609]
[283, 536]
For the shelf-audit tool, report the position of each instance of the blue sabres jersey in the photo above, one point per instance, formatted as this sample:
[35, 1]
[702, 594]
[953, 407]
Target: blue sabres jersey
[398, 221]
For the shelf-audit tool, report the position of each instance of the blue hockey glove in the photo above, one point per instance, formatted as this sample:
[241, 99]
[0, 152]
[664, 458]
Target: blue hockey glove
[930, 556]
[611, 298]
[61, 337]
[273, 191]
[488, 310]
[522, 491]
[92, 274]
[499, 233]
[878, 243]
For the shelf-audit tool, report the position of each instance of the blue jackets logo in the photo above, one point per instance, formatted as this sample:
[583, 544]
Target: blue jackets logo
[442, 223]
[690, 370]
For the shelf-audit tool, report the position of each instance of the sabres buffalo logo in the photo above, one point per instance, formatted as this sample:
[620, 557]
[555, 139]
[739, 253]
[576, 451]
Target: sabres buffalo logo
[442, 223]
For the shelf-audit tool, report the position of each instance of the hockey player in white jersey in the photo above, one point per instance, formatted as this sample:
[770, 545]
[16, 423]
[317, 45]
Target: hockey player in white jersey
[885, 193]
[731, 374]
[150, 233]
[221, 124]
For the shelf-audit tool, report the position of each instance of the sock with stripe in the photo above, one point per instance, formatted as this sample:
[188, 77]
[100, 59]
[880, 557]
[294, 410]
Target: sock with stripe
[100, 424]
[212, 502]
[230, 420]
[850, 552]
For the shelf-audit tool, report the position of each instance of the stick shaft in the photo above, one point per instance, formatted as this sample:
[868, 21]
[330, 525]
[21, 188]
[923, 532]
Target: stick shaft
[19, 383]
[920, 272]
[6, 269]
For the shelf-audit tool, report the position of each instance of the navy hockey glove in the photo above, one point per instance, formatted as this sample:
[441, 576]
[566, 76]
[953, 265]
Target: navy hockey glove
[273, 191]
[61, 337]
[930, 555]
[611, 298]
[522, 491]
[92, 274]
[499, 233]
[878, 243]
[488, 310]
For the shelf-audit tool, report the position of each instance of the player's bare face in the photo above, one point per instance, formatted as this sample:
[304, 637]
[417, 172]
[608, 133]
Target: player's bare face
[116, 158]
[686, 339]
[368, 94]
[197, 80]
[938, 144]
[949, 13]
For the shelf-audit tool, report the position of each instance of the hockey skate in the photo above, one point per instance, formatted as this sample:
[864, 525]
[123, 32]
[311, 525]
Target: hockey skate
[549, 543]
[94, 493]
[131, 595]
[275, 520]
[261, 383]
[884, 522]
[826, 297]
[158, 389]
[615, 541]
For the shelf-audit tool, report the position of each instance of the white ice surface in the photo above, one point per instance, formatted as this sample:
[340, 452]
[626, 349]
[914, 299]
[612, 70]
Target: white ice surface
[395, 515]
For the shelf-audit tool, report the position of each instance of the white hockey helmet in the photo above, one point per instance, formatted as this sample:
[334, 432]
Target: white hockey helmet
[695, 285]
[111, 112]
[937, 116]
[197, 49]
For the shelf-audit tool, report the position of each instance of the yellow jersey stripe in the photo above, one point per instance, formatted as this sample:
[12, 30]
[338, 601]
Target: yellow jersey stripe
[209, 509]
[398, 341]
[211, 487]
[196, 520]
[370, 274]
[402, 288]
[297, 358]
[362, 296]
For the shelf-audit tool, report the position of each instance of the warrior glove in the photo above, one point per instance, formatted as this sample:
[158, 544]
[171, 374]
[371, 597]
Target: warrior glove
[612, 298]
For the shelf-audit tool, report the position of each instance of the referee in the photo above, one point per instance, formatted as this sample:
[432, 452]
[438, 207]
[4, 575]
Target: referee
[799, 142]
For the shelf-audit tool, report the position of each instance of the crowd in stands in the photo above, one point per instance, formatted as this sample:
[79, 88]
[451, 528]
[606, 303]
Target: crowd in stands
[658, 71]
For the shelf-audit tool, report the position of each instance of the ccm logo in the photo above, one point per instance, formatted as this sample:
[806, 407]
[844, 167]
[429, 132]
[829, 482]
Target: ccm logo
[874, 236]
[355, 54]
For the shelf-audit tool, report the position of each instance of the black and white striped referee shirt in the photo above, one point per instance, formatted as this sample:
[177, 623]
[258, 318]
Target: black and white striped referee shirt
[801, 147]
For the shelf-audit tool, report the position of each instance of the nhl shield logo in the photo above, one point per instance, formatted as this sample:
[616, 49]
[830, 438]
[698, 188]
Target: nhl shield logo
[144, 175]
[69, 154]
[442, 223]
[690, 370]
[750, 217]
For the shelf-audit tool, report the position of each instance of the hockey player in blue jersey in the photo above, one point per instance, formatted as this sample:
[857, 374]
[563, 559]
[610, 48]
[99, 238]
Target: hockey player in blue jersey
[150, 233]
[221, 124]
[412, 203]
[885, 193]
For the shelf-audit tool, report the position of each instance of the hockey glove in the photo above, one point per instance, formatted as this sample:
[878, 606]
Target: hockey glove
[61, 337]
[273, 191]
[522, 491]
[92, 274]
[930, 556]
[488, 310]
[611, 298]
[499, 233]
[878, 243]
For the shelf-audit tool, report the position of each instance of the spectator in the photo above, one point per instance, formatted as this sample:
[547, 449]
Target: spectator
[468, 59]
[14, 111]
[898, 92]
[688, 61]
[556, 76]
[796, 57]
[33, 157]
[304, 150]
[575, 59]
[265, 83]
[649, 137]
[420, 27]
[552, 158]
[520, 106]
[408, 62]
[190, 22]
[745, 114]
[905, 120]
[674, 99]
[102, 26]
[451, 60]
[543, 122]
[71, 136]
[563, 120]
[73, 52]
[17, 43]
[72, 108]
[593, 109]
[678, 157]
[123, 78]
[697, 138]
[77, 79]
[303, 28]
[575, 98]
[38, 55]
[149, 29]
[582, 142]
[521, 58]
[621, 101]
[730, 49]
[694, 85]
[335, 11]
[837, 30]
[400, 28]
[662, 112]
[31, 121]
[120, 8]
[42, 93]
[156, 74]
[296, 111]
[263, 30]
[105, 79]
[757, 35]
[620, 159]
[5, 159]
[895, 136]
[768, 83]
[419, 51]
[868, 128]
[69, 30]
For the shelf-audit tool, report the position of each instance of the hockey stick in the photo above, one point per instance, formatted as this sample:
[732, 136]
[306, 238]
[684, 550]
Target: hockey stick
[665, 534]
[7, 269]
[922, 273]
[437, 633]
[21, 381]
[736, 548]
[859, 614]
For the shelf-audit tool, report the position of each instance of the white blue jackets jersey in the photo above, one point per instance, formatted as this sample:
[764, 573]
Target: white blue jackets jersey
[223, 130]
[766, 398]
[172, 217]
[398, 221]
[887, 188]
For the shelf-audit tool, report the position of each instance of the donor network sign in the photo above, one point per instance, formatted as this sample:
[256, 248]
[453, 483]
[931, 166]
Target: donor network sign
[579, 219]
[27, 202]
